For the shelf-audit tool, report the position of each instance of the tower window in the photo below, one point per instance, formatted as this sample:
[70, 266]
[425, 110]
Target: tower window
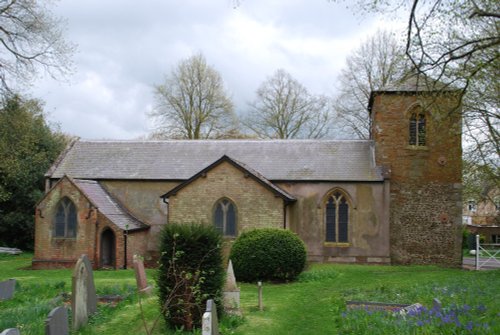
[336, 218]
[417, 129]
[225, 217]
[65, 219]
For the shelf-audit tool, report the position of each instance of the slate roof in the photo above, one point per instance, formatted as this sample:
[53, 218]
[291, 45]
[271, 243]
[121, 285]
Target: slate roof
[276, 160]
[108, 206]
[250, 172]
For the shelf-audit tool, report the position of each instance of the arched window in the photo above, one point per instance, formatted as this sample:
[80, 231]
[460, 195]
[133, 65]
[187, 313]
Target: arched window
[65, 219]
[417, 128]
[225, 217]
[337, 218]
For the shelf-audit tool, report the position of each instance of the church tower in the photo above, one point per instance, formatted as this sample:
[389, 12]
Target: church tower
[416, 129]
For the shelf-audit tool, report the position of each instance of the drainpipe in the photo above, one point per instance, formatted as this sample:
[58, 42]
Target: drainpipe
[125, 235]
[284, 214]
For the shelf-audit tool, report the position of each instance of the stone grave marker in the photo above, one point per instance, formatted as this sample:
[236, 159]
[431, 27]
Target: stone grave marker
[231, 292]
[140, 276]
[210, 322]
[57, 322]
[84, 298]
[7, 289]
[11, 331]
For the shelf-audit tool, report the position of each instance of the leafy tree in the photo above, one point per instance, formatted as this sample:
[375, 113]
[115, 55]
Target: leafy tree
[192, 103]
[31, 39]
[378, 61]
[457, 42]
[285, 109]
[28, 146]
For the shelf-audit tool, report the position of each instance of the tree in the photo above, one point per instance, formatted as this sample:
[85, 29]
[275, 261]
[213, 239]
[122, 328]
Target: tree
[285, 109]
[378, 61]
[28, 146]
[192, 103]
[31, 39]
[457, 42]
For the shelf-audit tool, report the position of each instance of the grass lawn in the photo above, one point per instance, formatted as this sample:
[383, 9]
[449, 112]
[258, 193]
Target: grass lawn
[315, 304]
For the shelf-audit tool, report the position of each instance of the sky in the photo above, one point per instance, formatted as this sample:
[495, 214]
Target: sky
[125, 48]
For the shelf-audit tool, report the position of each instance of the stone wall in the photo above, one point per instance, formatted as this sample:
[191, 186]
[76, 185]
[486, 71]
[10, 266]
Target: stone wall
[368, 230]
[425, 215]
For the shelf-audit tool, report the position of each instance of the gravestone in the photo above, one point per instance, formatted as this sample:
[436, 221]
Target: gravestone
[7, 288]
[84, 298]
[231, 292]
[57, 322]
[140, 276]
[11, 331]
[412, 309]
[210, 322]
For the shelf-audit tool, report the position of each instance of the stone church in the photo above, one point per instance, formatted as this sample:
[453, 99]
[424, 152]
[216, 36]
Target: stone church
[393, 199]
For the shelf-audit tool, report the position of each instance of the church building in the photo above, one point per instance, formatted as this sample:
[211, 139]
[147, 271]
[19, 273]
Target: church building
[393, 199]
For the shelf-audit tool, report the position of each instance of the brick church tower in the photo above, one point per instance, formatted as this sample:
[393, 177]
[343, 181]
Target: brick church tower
[417, 135]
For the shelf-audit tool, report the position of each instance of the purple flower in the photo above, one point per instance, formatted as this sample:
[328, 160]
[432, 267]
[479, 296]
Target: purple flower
[469, 325]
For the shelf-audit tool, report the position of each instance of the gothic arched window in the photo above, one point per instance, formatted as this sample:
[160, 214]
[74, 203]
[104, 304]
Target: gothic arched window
[417, 129]
[65, 219]
[225, 217]
[337, 218]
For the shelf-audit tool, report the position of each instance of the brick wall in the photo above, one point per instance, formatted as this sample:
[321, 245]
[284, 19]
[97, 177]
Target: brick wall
[51, 251]
[425, 210]
[256, 206]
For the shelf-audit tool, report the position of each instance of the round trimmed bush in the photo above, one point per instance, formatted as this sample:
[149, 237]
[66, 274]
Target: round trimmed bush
[268, 254]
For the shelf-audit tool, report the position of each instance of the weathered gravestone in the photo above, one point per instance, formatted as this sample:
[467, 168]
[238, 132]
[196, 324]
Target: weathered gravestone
[11, 331]
[231, 292]
[140, 276]
[210, 322]
[57, 322]
[84, 298]
[7, 288]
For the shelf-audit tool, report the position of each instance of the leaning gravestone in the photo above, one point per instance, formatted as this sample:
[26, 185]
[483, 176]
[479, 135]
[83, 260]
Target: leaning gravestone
[57, 322]
[231, 292]
[7, 289]
[140, 276]
[210, 322]
[84, 298]
[11, 331]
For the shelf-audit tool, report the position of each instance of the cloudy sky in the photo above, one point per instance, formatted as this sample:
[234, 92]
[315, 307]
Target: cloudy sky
[125, 47]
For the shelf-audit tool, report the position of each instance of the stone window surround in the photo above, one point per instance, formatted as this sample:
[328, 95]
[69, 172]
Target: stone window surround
[350, 207]
[224, 222]
[65, 204]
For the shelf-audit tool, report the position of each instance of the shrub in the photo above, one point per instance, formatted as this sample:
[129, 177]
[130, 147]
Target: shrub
[268, 254]
[190, 273]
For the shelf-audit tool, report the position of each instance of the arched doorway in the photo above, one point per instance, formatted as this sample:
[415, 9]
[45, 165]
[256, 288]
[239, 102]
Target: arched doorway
[108, 249]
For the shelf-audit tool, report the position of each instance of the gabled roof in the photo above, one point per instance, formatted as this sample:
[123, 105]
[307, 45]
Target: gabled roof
[240, 166]
[108, 206]
[276, 160]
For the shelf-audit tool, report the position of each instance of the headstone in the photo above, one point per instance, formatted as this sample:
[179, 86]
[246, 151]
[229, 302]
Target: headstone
[231, 292]
[84, 298]
[57, 322]
[10, 251]
[412, 309]
[140, 276]
[7, 289]
[11, 331]
[210, 322]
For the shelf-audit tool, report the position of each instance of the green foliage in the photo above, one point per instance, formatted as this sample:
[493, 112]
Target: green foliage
[190, 273]
[28, 146]
[268, 254]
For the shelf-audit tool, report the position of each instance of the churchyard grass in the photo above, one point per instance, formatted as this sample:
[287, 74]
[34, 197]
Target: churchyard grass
[315, 304]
